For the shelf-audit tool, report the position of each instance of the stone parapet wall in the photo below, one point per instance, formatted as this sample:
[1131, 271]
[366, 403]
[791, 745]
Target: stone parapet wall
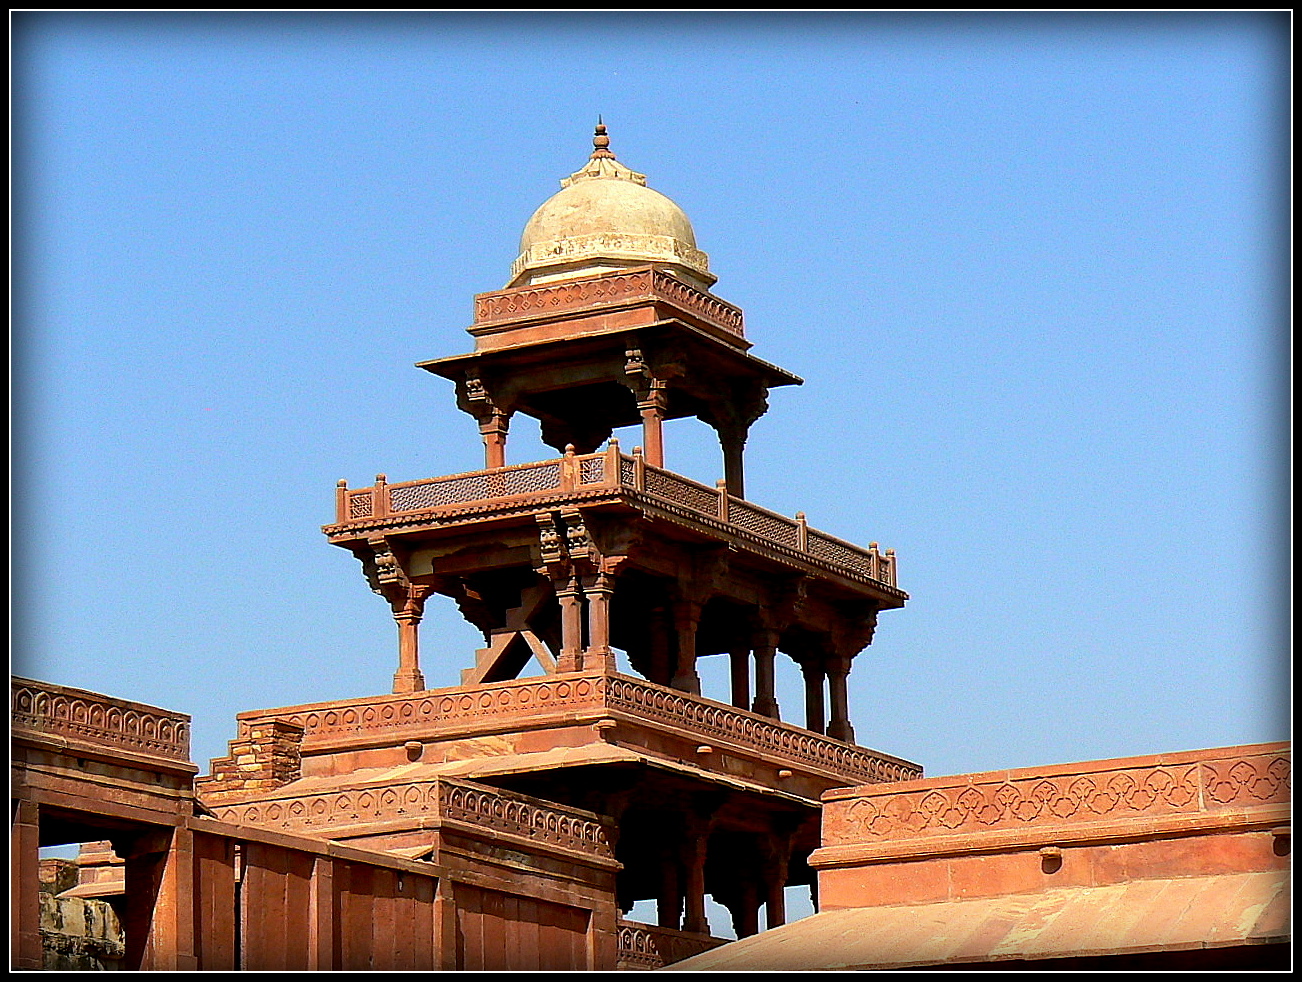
[1226, 788]
[646, 947]
[1220, 813]
[70, 717]
[434, 806]
[564, 700]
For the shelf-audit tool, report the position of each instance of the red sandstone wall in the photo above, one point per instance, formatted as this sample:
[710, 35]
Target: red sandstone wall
[499, 932]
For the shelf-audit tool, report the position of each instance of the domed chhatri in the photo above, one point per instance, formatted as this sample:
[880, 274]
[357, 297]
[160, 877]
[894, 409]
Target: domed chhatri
[603, 219]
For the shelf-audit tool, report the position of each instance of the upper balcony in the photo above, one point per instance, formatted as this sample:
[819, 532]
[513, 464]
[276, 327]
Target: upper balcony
[606, 478]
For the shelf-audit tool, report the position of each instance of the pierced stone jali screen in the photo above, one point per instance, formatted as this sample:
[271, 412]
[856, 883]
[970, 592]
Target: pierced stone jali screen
[765, 524]
[477, 486]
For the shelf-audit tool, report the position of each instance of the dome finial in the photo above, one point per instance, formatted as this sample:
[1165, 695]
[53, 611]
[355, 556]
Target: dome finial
[600, 141]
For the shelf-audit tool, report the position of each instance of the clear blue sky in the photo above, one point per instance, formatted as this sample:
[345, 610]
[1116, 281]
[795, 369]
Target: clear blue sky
[1034, 271]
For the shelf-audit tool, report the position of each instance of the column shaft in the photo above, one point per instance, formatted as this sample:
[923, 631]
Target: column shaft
[686, 617]
[839, 726]
[653, 440]
[571, 600]
[598, 654]
[694, 919]
[812, 669]
[766, 647]
[493, 428]
[24, 887]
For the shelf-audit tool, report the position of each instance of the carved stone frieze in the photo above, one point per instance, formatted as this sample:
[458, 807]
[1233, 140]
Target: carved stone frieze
[1047, 801]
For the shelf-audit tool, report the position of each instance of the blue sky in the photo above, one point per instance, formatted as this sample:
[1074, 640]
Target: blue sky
[1032, 269]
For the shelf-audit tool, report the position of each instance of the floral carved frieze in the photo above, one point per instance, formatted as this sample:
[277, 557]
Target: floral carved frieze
[91, 718]
[1156, 791]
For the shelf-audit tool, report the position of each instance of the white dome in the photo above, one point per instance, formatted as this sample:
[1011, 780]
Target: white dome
[605, 218]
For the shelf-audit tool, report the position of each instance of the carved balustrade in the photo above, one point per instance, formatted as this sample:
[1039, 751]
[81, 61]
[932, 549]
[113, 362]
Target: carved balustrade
[646, 947]
[553, 700]
[446, 801]
[45, 710]
[587, 475]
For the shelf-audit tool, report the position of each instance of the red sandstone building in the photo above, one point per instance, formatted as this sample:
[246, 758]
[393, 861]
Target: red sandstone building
[513, 821]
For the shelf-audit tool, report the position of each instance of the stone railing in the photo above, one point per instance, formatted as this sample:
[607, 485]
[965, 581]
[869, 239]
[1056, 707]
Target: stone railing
[543, 701]
[525, 484]
[648, 947]
[567, 297]
[45, 710]
[495, 811]
[1064, 801]
[760, 734]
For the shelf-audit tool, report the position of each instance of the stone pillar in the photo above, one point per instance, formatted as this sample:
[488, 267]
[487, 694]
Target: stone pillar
[811, 666]
[445, 927]
[24, 887]
[408, 614]
[745, 905]
[159, 915]
[694, 900]
[598, 654]
[839, 726]
[321, 916]
[774, 875]
[571, 601]
[662, 657]
[739, 666]
[493, 427]
[669, 891]
[687, 615]
[734, 475]
[766, 649]
[652, 409]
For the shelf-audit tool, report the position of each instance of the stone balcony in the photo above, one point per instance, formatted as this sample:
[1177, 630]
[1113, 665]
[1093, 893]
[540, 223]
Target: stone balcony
[612, 478]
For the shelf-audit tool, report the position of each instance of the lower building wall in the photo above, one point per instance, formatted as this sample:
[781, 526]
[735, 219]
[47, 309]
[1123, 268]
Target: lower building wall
[500, 932]
[1030, 871]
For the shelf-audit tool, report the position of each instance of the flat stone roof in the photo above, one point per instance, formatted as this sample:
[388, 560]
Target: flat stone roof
[1146, 916]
